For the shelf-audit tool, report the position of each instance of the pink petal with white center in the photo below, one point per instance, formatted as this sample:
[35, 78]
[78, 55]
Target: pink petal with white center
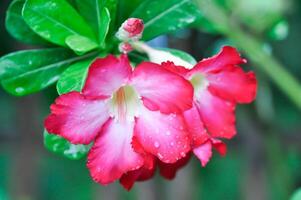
[112, 154]
[164, 136]
[218, 115]
[204, 152]
[76, 118]
[195, 126]
[233, 84]
[107, 75]
[227, 56]
[169, 171]
[161, 89]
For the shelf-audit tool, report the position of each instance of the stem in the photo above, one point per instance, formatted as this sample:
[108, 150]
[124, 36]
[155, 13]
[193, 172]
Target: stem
[253, 48]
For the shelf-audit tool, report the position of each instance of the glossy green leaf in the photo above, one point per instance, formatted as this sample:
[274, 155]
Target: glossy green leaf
[80, 44]
[92, 10]
[180, 54]
[57, 20]
[125, 9]
[26, 72]
[73, 78]
[104, 25]
[64, 148]
[17, 27]
[162, 17]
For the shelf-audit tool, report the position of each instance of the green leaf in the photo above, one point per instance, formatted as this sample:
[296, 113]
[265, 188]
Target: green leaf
[56, 20]
[80, 44]
[125, 9]
[73, 78]
[17, 27]
[166, 16]
[92, 11]
[104, 25]
[180, 54]
[26, 72]
[64, 148]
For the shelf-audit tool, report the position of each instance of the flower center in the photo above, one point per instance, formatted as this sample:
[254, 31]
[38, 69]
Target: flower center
[199, 83]
[125, 104]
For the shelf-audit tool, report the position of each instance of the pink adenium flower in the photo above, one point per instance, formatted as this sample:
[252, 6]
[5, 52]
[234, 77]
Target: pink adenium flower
[133, 116]
[219, 84]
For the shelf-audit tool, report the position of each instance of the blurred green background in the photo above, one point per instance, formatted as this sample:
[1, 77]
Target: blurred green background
[263, 161]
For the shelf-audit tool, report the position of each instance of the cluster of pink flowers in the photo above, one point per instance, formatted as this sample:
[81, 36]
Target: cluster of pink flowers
[153, 115]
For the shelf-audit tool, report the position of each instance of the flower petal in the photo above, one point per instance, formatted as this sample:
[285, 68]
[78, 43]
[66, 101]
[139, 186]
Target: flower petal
[169, 171]
[195, 126]
[142, 174]
[233, 84]
[217, 114]
[219, 146]
[77, 118]
[227, 56]
[106, 75]
[164, 136]
[204, 152]
[161, 89]
[112, 154]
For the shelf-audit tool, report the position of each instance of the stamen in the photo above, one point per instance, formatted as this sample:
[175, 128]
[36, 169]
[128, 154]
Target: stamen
[121, 104]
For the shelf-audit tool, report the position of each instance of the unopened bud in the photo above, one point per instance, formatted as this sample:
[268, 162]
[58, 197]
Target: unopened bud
[131, 29]
[125, 47]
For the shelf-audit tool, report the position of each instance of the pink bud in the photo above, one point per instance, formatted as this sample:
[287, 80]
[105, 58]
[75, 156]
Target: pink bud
[125, 47]
[133, 26]
[131, 29]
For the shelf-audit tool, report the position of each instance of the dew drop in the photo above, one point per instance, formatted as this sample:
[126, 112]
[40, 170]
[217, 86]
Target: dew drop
[167, 132]
[156, 144]
[183, 154]
[172, 144]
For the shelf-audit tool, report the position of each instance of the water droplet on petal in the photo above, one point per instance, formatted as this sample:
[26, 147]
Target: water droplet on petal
[183, 154]
[156, 144]
[167, 132]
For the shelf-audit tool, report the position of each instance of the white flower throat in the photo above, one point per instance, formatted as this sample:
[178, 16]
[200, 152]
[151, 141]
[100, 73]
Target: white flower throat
[125, 104]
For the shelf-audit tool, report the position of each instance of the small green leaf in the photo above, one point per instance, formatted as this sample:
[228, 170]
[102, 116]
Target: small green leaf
[64, 148]
[80, 44]
[166, 16]
[17, 27]
[56, 20]
[73, 78]
[26, 72]
[180, 54]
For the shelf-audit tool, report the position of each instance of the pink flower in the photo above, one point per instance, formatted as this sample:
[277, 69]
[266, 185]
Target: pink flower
[131, 115]
[219, 84]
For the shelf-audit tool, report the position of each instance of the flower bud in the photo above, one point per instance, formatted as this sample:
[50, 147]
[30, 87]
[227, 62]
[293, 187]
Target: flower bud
[125, 47]
[131, 29]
